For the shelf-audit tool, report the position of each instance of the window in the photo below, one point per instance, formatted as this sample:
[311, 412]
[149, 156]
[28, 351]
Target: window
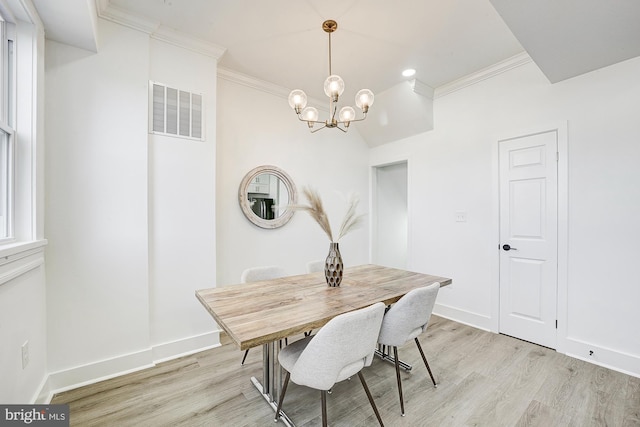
[175, 112]
[6, 175]
[6, 133]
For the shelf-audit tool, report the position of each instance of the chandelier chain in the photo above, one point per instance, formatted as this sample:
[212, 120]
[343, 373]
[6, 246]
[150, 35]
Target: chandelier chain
[330, 54]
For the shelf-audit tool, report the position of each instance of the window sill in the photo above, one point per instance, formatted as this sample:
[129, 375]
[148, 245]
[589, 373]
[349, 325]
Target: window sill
[11, 251]
[18, 258]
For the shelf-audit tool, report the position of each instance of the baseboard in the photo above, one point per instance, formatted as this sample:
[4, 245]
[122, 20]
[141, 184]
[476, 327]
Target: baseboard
[185, 346]
[97, 371]
[607, 358]
[465, 317]
[91, 373]
[602, 356]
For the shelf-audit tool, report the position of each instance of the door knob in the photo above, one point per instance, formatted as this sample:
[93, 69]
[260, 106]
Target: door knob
[508, 248]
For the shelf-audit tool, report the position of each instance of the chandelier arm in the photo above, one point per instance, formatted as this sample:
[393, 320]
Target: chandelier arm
[355, 120]
[316, 130]
[335, 110]
[309, 121]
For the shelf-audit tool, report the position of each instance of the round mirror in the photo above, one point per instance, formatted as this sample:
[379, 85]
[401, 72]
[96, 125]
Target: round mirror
[264, 195]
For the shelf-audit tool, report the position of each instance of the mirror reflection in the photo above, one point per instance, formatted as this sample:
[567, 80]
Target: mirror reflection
[264, 195]
[268, 196]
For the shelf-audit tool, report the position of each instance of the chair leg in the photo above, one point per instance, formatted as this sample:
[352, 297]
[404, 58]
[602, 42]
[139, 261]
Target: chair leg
[426, 363]
[373, 404]
[395, 357]
[323, 394]
[245, 356]
[284, 390]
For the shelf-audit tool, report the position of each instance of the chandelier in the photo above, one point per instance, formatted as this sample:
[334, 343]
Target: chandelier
[333, 88]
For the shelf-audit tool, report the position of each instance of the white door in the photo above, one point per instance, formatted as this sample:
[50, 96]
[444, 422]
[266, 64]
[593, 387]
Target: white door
[529, 237]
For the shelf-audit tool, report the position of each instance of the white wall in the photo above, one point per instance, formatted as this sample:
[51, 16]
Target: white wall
[23, 320]
[453, 169]
[256, 128]
[96, 177]
[130, 217]
[182, 218]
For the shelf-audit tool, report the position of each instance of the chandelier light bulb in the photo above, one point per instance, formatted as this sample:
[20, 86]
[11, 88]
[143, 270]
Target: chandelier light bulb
[297, 100]
[310, 114]
[347, 114]
[333, 87]
[364, 99]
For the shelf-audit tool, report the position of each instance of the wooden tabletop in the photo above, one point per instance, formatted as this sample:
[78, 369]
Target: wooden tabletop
[257, 313]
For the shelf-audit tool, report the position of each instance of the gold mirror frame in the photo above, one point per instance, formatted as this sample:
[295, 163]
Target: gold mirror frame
[243, 196]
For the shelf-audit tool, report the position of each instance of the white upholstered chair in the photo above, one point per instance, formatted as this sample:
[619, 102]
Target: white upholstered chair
[405, 320]
[339, 350]
[255, 274]
[315, 266]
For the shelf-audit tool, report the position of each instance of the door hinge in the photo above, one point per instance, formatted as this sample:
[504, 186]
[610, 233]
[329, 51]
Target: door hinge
[557, 156]
[556, 323]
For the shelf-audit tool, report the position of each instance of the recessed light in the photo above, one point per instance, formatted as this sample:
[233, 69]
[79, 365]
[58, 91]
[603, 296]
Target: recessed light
[408, 72]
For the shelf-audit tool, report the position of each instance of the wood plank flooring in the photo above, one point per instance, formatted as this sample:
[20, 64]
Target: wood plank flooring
[484, 379]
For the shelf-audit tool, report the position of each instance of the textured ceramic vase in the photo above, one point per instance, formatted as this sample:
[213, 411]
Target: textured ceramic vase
[333, 267]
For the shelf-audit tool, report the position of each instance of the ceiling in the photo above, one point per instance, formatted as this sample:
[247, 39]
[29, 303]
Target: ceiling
[282, 42]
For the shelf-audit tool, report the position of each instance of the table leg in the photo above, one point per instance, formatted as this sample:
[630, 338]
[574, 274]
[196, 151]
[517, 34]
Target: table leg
[389, 358]
[271, 379]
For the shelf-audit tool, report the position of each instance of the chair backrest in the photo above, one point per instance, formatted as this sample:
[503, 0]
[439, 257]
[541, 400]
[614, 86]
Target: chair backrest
[256, 274]
[314, 266]
[340, 349]
[408, 317]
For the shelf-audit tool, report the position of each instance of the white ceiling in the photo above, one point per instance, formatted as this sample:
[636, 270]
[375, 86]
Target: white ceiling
[281, 41]
[566, 38]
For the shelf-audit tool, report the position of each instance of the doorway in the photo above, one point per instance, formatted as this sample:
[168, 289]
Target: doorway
[390, 213]
[528, 241]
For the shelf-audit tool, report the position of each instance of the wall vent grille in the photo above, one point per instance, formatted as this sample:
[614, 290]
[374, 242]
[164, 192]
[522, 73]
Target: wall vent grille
[175, 112]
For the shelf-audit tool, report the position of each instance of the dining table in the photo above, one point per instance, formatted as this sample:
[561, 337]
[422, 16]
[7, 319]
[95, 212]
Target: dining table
[264, 313]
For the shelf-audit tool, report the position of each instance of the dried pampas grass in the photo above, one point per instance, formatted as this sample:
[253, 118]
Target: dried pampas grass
[351, 220]
[315, 208]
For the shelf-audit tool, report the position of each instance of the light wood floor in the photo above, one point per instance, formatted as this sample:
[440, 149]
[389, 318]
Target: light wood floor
[484, 379]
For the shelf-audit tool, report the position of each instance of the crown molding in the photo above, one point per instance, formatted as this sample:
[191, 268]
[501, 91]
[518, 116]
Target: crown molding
[416, 85]
[156, 30]
[252, 82]
[188, 42]
[263, 86]
[120, 16]
[21, 10]
[421, 88]
[486, 73]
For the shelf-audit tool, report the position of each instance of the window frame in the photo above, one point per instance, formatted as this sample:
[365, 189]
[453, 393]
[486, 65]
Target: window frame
[8, 176]
[22, 76]
[7, 123]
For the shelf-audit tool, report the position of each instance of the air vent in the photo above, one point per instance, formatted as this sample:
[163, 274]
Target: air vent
[175, 112]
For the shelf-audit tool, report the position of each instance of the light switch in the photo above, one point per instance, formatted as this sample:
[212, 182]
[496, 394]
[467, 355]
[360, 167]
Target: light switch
[461, 216]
